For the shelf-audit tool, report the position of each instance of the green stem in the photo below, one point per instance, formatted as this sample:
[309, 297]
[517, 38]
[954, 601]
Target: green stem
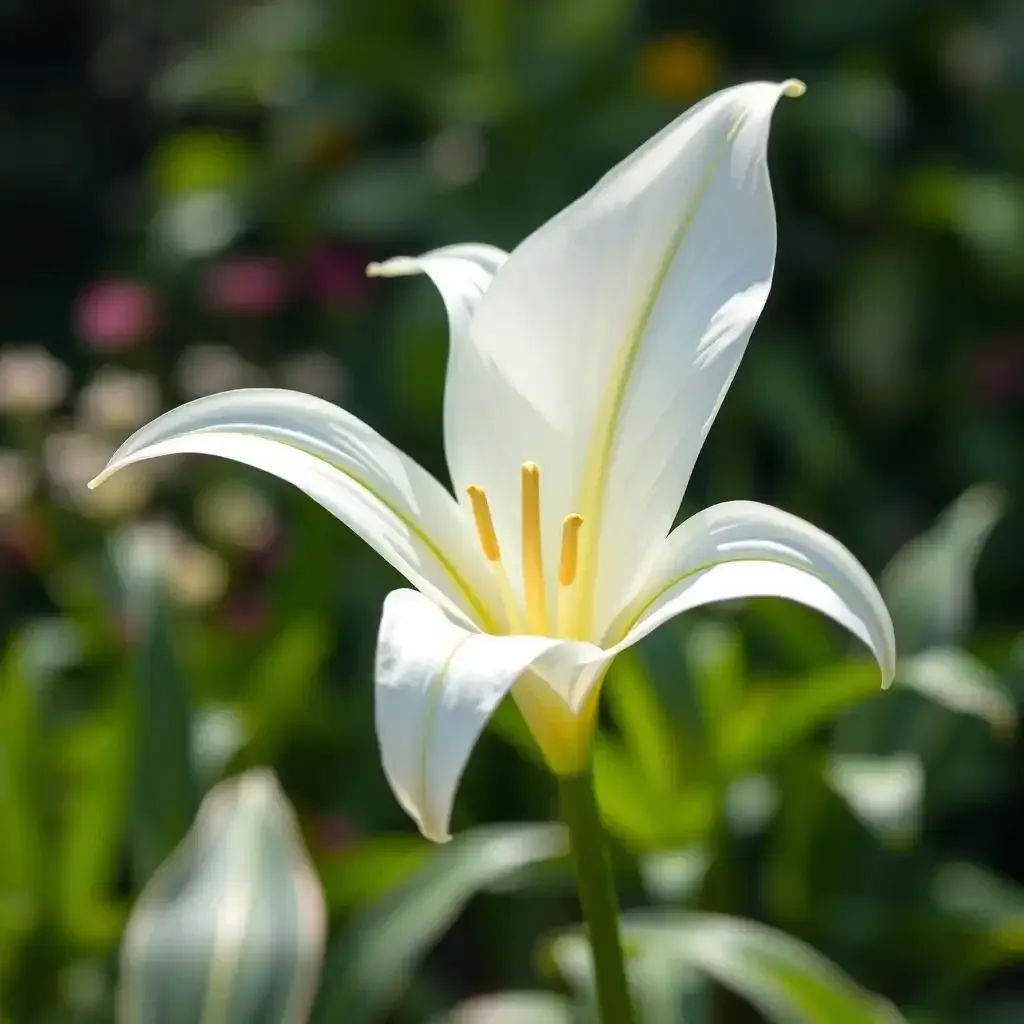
[597, 897]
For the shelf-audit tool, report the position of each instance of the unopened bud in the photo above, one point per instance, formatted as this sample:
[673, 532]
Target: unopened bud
[232, 926]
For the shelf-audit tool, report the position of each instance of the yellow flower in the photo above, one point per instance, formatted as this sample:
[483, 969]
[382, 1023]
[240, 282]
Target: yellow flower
[676, 67]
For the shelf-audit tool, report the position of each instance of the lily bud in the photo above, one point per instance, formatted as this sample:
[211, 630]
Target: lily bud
[231, 928]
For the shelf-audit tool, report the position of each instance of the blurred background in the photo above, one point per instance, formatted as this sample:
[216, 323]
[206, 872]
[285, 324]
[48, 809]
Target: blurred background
[189, 194]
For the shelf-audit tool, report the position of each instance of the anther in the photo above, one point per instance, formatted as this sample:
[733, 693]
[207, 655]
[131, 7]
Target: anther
[534, 589]
[484, 523]
[570, 549]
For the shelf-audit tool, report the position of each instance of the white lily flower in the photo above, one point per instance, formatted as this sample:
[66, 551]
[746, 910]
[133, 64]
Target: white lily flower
[585, 371]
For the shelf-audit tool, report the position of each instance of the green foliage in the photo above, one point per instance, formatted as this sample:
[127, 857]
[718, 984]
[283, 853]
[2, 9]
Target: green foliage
[164, 792]
[747, 763]
[784, 979]
[369, 965]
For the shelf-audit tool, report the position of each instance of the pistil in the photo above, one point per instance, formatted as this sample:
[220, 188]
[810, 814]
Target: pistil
[534, 590]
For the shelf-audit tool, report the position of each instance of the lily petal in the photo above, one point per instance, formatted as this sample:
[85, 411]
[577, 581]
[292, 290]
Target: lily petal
[386, 498]
[437, 684]
[744, 549]
[605, 344]
[462, 273]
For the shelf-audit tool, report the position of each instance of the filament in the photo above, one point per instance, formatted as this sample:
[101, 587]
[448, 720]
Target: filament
[492, 552]
[484, 523]
[565, 614]
[570, 549]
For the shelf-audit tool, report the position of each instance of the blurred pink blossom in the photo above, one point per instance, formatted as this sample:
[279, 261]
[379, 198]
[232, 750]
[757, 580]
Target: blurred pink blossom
[337, 276]
[245, 614]
[115, 314]
[998, 369]
[274, 550]
[23, 544]
[246, 286]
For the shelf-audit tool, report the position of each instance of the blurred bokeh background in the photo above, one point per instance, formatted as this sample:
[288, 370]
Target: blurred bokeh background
[189, 194]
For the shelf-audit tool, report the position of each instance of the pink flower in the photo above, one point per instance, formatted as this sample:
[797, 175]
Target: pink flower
[245, 286]
[337, 276]
[116, 314]
[245, 614]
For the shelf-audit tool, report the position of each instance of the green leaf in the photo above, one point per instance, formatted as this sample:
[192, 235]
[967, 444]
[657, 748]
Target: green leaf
[164, 790]
[383, 197]
[770, 719]
[885, 793]
[675, 876]
[282, 685]
[370, 869]
[928, 585]
[200, 160]
[231, 928]
[21, 846]
[715, 657]
[643, 815]
[1001, 1011]
[983, 902]
[957, 680]
[782, 978]
[646, 731]
[96, 758]
[512, 1008]
[248, 62]
[368, 967]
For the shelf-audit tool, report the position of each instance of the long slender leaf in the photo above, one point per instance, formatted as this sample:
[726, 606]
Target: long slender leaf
[782, 978]
[368, 967]
[959, 681]
[770, 719]
[646, 730]
[928, 584]
[513, 1008]
[165, 793]
[96, 756]
[280, 689]
[21, 846]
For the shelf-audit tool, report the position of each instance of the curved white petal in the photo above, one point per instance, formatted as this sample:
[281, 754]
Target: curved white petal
[604, 345]
[395, 505]
[437, 684]
[462, 273]
[744, 549]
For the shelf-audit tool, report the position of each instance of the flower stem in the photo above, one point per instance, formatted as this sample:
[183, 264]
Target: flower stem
[597, 896]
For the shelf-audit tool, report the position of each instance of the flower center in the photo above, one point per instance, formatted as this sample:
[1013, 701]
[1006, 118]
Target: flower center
[535, 595]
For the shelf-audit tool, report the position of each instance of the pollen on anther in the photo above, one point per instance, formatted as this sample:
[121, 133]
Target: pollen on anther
[570, 549]
[484, 523]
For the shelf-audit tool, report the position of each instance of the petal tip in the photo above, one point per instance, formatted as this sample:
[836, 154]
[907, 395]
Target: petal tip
[793, 88]
[100, 478]
[397, 266]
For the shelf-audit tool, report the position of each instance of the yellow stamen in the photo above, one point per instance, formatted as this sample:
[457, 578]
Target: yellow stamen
[570, 549]
[484, 523]
[534, 590]
[492, 552]
[565, 614]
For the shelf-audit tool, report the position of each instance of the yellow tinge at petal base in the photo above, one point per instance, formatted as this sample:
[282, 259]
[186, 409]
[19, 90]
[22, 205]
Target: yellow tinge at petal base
[563, 735]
